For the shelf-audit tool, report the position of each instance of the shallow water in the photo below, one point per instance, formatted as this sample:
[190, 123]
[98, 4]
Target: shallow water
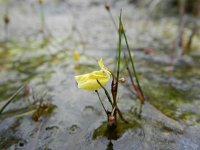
[44, 62]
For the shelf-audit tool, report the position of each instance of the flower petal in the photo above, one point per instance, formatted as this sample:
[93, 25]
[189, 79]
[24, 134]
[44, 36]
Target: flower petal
[100, 62]
[89, 81]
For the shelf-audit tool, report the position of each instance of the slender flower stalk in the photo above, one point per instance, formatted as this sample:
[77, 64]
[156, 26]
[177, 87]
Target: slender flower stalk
[107, 7]
[101, 101]
[107, 93]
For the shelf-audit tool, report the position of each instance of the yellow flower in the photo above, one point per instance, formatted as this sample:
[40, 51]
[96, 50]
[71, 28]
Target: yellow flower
[76, 56]
[89, 81]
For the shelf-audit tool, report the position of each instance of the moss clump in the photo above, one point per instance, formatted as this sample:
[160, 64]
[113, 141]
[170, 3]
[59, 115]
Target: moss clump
[117, 132]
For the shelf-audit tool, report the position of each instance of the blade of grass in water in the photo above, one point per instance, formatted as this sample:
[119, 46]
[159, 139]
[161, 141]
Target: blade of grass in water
[11, 98]
[25, 114]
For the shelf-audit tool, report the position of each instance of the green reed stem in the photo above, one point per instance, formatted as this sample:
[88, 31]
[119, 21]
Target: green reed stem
[131, 59]
[112, 19]
[119, 57]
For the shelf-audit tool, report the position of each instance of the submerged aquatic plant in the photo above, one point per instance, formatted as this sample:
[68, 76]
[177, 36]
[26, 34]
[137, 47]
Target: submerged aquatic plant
[89, 81]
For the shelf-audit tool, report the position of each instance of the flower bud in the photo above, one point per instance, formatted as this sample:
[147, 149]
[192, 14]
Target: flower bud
[122, 80]
[107, 7]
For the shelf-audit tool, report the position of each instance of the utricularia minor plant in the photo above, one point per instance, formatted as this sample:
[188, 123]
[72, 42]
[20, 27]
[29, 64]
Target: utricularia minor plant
[98, 79]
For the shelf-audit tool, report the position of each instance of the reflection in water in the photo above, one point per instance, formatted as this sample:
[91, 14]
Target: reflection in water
[112, 134]
[110, 146]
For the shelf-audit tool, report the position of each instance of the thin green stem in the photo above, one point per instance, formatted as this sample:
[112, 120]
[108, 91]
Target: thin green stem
[112, 18]
[107, 94]
[114, 24]
[132, 63]
[131, 78]
[11, 98]
[101, 101]
[129, 71]
[118, 58]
